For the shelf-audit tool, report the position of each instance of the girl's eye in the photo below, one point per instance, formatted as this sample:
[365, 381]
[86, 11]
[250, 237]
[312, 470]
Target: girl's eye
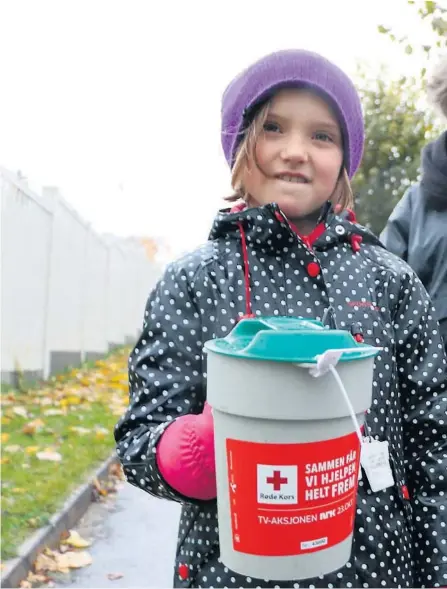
[322, 136]
[271, 127]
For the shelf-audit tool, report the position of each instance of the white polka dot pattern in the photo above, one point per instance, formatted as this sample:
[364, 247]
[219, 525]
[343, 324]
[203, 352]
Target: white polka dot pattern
[401, 534]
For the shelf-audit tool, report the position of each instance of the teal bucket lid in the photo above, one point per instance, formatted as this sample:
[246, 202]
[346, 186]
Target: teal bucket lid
[287, 339]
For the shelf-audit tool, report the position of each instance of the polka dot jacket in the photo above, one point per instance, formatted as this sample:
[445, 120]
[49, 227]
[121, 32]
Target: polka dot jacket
[400, 535]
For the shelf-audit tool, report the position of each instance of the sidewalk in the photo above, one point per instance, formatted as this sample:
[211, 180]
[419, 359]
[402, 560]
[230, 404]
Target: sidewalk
[135, 536]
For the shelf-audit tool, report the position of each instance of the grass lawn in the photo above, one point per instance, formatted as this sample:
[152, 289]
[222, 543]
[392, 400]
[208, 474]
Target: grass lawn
[52, 438]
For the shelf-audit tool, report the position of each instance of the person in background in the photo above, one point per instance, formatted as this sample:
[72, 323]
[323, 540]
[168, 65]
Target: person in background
[417, 228]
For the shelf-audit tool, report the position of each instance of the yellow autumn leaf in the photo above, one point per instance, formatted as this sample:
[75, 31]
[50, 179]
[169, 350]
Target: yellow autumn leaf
[101, 433]
[69, 401]
[5, 460]
[5, 438]
[76, 540]
[33, 427]
[31, 449]
[5, 420]
[18, 490]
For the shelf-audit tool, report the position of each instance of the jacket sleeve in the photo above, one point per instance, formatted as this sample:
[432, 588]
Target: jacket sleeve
[396, 233]
[165, 381]
[423, 383]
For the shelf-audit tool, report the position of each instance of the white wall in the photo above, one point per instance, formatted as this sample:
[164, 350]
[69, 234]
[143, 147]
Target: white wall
[67, 293]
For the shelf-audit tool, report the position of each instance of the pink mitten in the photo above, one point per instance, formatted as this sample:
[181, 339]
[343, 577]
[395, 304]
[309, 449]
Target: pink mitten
[185, 455]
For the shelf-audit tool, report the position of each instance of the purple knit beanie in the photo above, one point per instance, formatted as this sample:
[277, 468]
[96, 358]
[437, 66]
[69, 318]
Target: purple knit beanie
[292, 68]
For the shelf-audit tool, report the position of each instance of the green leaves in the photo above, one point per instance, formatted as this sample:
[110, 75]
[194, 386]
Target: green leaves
[435, 14]
[397, 127]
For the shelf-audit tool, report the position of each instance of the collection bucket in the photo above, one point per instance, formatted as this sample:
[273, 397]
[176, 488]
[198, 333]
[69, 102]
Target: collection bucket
[287, 449]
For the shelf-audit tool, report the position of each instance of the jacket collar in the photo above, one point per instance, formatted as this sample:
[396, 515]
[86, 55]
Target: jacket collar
[266, 228]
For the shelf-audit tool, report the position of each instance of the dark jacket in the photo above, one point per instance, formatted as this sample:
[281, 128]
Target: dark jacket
[417, 228]
[400, 532]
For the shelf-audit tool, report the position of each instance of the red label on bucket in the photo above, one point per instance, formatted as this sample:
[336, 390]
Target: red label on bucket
[289, 499]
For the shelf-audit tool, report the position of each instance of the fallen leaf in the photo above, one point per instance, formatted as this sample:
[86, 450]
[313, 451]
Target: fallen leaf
[114, 576]
[50, 412]
[33, 578]
[20, 411]
[76, 540]
[61, 562]
[44, 562]
[78, 560]
[18, 490]
[5, 420]
[71, 401]
[99, 488]
[101, 433]
[49, 455]
[5, 460]
[12, 449]
[116, 470]
[5, 438]
[33, 427]
[80, 430]
[31, 449]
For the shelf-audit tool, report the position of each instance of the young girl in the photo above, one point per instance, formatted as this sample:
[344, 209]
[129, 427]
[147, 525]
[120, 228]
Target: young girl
[292, 133]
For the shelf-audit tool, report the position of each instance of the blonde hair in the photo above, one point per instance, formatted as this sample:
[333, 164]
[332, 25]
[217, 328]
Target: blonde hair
[342, 196]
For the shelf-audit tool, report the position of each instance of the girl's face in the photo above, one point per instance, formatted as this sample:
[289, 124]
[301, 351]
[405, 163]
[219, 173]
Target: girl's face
[298, 155]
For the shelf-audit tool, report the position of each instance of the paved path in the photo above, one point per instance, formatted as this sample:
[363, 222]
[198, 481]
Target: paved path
[133, 535]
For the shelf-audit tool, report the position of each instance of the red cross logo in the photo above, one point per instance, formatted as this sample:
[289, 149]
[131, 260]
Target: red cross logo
[277, 480]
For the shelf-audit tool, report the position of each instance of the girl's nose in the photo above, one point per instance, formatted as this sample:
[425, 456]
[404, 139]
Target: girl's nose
[294, 150]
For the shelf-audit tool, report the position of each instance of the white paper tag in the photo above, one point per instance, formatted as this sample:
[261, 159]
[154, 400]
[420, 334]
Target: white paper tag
[375, 461]
[325, 361]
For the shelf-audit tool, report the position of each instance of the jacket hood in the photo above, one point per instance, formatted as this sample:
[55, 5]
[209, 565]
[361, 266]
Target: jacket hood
[434, 169]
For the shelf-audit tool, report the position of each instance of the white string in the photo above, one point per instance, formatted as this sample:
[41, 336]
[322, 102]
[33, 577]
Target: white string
[348, 403]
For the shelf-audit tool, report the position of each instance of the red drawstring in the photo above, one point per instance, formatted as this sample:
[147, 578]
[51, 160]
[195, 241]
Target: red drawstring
[351, 216]
[309, 239]
[248, 310]
[356, 240]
